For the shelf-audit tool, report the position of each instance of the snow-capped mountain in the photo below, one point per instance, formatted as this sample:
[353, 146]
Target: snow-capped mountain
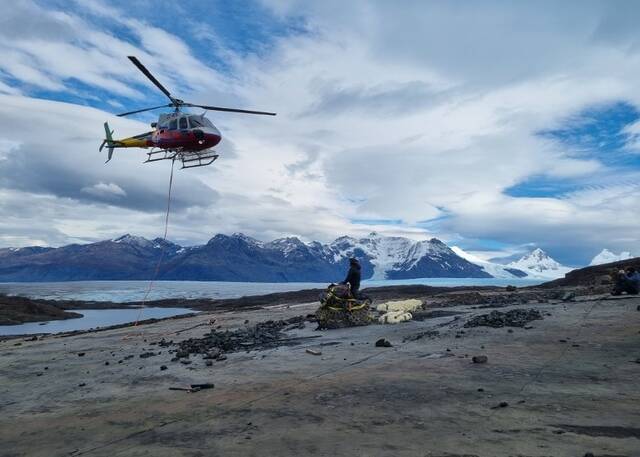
[538, 264]
[494, 269]
[402, 258]
[238, 258]
[606, 256]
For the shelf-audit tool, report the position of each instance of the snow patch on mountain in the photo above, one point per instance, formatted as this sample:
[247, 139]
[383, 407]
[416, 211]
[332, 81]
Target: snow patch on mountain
[385, 252]
[247, 239]
[606, 256]
[286, 245]
[538, 264]
[133, 240]
[494, 269]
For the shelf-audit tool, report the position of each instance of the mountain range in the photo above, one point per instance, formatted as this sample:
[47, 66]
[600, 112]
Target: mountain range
[238, 257]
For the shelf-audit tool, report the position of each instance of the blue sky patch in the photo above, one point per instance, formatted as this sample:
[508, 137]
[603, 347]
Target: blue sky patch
[595, 133]
[377, 221]
[210, 30]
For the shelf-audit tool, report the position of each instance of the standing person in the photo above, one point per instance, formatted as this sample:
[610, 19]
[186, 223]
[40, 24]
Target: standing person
[628, 281]
[353, 277]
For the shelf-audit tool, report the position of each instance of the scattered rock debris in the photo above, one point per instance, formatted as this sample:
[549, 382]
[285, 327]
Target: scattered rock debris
[383, 343]
[146, 355]
[263, 335]
[312, 352]
[601, 430]
[479, 359]
[419, 336]
[502, 404]
[194, 387]
[513, 318]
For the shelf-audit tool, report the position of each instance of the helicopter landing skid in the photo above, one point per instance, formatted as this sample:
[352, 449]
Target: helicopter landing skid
[188, 159]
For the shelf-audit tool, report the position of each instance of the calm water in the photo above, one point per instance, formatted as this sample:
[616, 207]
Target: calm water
[92, 318]
[125, 291]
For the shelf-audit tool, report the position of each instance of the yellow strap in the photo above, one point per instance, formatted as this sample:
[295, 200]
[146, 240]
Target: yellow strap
[349, 307]
[344, 299]
[353, 308]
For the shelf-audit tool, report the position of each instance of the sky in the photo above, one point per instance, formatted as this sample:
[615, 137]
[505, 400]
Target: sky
[495, 126]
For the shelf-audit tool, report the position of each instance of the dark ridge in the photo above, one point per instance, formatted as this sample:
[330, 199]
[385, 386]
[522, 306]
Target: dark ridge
[17, 310]
[588, 276]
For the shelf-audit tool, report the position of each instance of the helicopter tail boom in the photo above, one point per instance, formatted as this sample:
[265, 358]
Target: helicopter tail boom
[138, 141]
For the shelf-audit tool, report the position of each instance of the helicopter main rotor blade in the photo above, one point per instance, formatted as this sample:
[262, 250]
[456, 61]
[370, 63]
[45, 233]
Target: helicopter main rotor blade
[229, 110]
[148, 74]
[143, 110]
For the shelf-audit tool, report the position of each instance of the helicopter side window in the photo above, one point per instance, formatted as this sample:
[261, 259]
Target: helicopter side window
[173, 125]
[183, 123]
[195, 121]
[207, 122]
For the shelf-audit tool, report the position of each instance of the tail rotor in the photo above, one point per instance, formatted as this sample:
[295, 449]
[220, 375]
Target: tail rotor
[108, 141]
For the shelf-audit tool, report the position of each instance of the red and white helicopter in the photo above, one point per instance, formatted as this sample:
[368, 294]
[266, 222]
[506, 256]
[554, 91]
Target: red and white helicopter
[177, 135]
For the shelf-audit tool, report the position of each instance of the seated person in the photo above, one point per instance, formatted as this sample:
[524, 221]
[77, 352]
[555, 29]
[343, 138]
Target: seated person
[353, 277]
[627, 280]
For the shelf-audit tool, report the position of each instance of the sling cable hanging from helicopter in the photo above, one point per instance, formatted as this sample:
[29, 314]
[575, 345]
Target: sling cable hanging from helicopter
[164, 239]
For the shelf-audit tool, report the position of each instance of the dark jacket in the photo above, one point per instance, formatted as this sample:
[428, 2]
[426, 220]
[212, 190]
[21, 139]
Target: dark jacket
[353, 278]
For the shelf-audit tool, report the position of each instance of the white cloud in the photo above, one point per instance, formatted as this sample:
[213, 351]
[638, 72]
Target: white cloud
[105, 190]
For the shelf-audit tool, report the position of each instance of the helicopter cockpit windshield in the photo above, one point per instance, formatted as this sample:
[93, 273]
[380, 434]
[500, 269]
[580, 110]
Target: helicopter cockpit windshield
[199, 121]
[184, 122]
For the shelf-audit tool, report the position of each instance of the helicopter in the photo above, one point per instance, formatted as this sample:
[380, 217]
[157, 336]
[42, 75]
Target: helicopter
[176, 135]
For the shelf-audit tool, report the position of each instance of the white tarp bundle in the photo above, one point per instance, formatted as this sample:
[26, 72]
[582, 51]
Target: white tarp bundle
[395, 317]
[397, 311]
[399, 305]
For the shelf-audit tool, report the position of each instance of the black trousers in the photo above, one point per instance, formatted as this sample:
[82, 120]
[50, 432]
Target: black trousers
[625, 285]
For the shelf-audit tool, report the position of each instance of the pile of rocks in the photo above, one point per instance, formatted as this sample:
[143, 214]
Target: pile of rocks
[513, 318]
[263, 335]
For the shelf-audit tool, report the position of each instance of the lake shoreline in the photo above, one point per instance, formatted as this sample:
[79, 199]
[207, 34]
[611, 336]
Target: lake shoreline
[15, 310]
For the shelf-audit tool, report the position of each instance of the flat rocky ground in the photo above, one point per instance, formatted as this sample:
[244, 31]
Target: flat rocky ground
[569, 385]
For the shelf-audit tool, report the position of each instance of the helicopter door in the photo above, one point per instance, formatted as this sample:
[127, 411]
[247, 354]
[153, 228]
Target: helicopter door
[183, 123]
